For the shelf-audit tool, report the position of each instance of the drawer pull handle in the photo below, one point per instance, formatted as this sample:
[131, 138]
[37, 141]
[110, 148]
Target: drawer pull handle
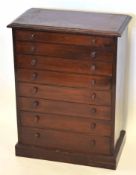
[37, 135]
[93, 96]
[93, 82]
[35, 104]
[93, 125]
[34, 76]
[93, 110]
[32, 36]
[93, 67]
[93, 41]
[93, 142]
[36, 118]
[33, 62]
[35, 90]
[33, 48]
[93, 54]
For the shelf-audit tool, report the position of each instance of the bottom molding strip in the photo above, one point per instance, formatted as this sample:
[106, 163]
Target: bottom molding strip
[109, 162]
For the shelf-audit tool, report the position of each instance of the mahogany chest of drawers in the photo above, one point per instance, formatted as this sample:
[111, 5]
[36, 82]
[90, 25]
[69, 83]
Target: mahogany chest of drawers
[69, 74]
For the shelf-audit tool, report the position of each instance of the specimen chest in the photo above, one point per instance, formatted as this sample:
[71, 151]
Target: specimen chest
[70, 78]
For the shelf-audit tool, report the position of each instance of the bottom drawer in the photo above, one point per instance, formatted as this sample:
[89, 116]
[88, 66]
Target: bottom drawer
[65, 141]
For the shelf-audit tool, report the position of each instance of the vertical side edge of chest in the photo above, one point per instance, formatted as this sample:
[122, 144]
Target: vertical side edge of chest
[16, 91]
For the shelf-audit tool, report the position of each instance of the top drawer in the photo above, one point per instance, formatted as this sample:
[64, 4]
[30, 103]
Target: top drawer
[62, 38]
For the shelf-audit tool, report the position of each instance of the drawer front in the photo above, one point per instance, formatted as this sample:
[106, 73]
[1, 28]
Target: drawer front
[64, 108]
[24, 35]
[64, 51]
[65, 140]
[65, 94]
[66, 123]
[64, 79]
[64, 65]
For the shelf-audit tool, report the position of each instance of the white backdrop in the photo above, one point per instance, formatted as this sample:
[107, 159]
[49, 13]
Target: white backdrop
[9, 10]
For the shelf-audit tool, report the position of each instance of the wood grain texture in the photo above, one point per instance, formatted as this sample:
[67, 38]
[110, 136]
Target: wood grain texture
[64, 108]
[66, 141]
[65, 123]
[95, 160]
[64, 51]
[82, 66]
[62, 38]
[77, 95]
[63, 79]
[72, 21]
[67, 90]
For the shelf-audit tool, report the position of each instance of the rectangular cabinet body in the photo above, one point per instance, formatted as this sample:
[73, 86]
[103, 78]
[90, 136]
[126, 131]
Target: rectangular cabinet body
[69, 76]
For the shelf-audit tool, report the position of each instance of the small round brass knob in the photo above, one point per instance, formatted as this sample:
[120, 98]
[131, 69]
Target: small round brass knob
[33, 62]
[33, 36]
[93, 96]
[37, 135]
[34, 76]
[93, 125]
[32, 49]
[93, 110]
[35, 90]
[93, 54]
[93, 41]
[36, 118]
[35, 104]
[93, 67]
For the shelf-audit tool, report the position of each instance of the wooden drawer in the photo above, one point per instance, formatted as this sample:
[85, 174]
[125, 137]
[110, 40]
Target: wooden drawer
[64, 65]
[65, 140]
[66, 123]
[64, 51]
[78, 95]
[52, 37]
[64, 79]
[64, 108]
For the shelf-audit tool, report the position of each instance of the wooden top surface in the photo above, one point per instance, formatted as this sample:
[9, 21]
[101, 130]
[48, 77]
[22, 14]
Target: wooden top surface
[72, 21]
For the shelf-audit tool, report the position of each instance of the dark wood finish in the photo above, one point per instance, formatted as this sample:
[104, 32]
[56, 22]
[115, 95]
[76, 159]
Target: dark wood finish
[63, 79]
[65, 51]
[72, 21]
[69, 72]
[85, 66]
[64, 108]
[62, 38]
[95, 160]
[77, 95]
[67, 123]
[63, 65]
[66, 141]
